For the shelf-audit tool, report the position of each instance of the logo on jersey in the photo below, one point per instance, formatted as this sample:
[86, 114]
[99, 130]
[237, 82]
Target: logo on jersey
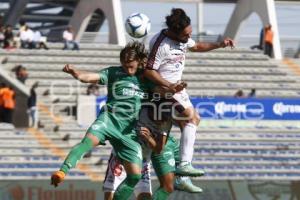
[120, 73]
[167, 153]
[97, 127]
[171, 162]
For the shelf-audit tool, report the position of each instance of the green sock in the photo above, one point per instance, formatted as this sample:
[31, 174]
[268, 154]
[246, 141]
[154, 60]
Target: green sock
[126, 188]
[160, 194]
[76, 154]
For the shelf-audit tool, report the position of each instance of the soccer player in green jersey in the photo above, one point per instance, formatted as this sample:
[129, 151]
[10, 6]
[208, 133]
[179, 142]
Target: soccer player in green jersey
[164, 154]
[116, 122]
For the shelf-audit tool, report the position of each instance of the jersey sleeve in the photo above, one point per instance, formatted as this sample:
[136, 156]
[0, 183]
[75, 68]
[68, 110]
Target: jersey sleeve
[156, 57]
[190, 43]
[104, 74]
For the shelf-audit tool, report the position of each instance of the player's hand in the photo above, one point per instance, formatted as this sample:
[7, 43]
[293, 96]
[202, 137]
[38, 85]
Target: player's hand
[57, 177]
[145, 134]
[177, 87]
[69, 69]
[228, 42]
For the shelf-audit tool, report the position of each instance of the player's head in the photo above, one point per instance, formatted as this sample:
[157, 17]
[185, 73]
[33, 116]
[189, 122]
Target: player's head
[133, 56]
[179, 24]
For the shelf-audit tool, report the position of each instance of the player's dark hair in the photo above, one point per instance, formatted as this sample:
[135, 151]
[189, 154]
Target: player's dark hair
[134, 51]
[177, 21]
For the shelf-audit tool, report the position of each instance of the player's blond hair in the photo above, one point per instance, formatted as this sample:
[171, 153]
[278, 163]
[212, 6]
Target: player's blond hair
[134, 51]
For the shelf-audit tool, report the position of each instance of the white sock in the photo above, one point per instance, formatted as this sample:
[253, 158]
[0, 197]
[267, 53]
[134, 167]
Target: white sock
[183, 178]
[187, 141]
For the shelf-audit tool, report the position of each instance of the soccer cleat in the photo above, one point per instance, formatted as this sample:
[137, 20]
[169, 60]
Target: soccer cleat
[57, 177]
[186, 185]
[188, 170]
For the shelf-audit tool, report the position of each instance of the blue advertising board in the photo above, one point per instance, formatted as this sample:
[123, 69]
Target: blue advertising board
[242, 108]
[100, 101]
[248, 108]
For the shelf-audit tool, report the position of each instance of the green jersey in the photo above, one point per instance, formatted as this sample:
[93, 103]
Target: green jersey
[117, 121]
[125, 92]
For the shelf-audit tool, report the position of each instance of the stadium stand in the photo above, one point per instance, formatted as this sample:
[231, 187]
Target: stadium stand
[253, 152]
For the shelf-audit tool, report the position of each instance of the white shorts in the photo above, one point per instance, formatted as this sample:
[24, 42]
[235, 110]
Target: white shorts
[183, 99]
[116, 174]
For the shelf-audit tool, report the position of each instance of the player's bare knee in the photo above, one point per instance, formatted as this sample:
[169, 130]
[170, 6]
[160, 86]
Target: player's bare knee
[94, 139]
[196, 119]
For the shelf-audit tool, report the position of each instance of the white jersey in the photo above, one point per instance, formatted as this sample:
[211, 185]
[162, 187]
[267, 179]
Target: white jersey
[167, 56]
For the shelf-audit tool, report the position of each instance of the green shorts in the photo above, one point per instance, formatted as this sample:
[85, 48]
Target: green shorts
[166, 161]
[120, 134]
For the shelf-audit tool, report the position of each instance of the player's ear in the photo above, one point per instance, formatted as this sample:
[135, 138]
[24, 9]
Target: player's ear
[143, 62]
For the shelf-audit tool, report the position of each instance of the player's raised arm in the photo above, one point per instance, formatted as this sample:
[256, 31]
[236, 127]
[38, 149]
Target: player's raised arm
[208, 46]
[83, 76]
[163, 85]
[154, 76]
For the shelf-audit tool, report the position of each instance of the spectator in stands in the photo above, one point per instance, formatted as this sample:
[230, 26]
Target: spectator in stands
[2, 37]
[22, 26]
[8, 98]
[31, 104]
[239, 94]
[8, 37]
[21, 73]
[252, 93]
[93, 89]
[38, 41]
[26, 37]
[268, 38]
[69, 42]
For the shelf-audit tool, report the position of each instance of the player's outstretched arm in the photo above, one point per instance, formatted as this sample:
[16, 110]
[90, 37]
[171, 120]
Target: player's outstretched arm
[208, 46]
[83, 76]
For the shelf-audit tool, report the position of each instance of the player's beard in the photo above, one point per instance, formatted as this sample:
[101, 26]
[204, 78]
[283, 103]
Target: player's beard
[183, 41]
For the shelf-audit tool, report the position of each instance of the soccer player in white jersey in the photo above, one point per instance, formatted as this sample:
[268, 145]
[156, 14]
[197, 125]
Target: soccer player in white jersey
[165, 67]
